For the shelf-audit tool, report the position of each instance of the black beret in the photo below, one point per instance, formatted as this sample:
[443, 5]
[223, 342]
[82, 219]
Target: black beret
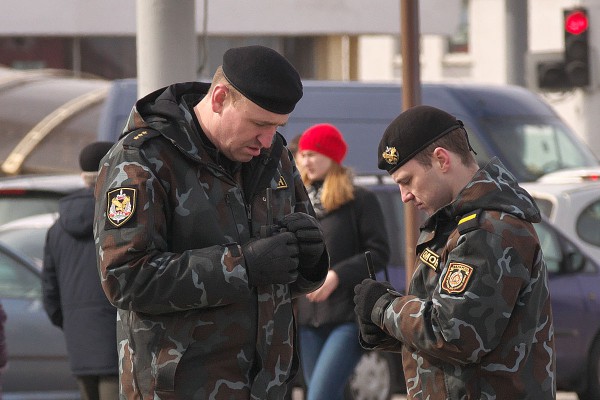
[263, 76]
[91, 155]
[412, 131]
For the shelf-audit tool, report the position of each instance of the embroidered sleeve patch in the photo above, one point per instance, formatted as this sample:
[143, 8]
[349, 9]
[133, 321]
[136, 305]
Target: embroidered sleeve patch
[456, 278]
[430, 258]
[121, 205]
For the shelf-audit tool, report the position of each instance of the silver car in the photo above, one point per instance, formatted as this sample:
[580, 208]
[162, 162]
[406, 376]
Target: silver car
[25, 195]
[570, 199]
[38, 367]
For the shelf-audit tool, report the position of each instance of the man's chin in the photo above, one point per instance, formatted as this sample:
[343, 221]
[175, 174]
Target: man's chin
[244, 157]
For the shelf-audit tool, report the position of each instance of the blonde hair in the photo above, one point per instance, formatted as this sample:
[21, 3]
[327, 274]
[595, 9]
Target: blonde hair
[337, 187]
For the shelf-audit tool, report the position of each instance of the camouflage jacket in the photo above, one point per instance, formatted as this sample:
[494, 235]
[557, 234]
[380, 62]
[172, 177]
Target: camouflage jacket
[477, 321]
[169, 224]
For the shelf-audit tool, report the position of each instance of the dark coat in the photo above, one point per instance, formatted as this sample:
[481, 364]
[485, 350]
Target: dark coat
[170, 222]
[349, 231]
[3, 352]
[73, 296]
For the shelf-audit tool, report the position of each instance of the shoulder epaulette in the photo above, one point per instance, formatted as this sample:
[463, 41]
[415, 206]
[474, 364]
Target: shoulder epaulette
[139, 136]
[469, 222]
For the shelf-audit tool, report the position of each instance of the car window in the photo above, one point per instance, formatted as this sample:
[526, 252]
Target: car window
[550, 247]
[17, 281]
[534, 147]
[14, 206]
[30, 241]
[588, 224]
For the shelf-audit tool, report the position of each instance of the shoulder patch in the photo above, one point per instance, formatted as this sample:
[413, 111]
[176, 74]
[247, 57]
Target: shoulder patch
[121, 205]
[469, 222]
[457, 277]
[139, 136]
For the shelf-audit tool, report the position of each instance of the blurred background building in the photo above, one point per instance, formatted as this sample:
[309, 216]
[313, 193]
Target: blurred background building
[483, 41]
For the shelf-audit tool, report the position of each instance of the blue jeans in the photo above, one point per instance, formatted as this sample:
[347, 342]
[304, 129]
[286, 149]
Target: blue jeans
[328, 355]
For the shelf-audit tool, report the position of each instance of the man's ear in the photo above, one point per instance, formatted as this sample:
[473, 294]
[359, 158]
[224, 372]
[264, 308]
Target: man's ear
[218, 96]
[441, 158]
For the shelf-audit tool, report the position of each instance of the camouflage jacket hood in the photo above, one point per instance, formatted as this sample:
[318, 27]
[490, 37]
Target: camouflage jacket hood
[170, 221]
[493, 188]
[476, 322]
[169, 111]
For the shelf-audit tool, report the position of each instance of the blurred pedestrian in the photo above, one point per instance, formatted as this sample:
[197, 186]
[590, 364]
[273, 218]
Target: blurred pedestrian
[352, 222]
[3, 351]
[73, 296]
[205, 232]
[476, 322]
[293, 148]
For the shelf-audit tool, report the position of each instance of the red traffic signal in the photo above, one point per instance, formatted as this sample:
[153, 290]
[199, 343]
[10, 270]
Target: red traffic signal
[577, 64]
[576, 22]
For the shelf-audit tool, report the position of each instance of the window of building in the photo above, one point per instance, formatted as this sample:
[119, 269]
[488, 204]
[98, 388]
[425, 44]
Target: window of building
[459, 41]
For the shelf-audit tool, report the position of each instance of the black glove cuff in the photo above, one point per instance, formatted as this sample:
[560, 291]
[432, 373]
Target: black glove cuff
[377, 314]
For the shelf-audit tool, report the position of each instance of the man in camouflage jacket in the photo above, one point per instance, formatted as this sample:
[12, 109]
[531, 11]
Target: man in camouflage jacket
[476, 322]
[202, 272]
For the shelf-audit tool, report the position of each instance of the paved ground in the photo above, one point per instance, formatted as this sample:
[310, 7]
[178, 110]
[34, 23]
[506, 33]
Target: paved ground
[297, 395]
[559, 396]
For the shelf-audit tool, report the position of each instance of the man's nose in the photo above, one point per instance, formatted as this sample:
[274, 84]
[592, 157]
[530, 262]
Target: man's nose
[266, 138]
[406, 196]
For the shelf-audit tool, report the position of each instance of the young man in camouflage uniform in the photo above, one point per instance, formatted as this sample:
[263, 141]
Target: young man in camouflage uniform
[476, 322]
[205, 233]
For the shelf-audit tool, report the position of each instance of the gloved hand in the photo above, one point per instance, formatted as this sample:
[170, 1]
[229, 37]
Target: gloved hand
[366, 294]
[272, 260]
[371, 334]
[310, 239]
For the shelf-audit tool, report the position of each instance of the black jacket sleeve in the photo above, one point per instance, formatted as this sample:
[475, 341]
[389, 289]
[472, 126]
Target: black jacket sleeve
[50, 287]
[372, 236]
[3, 351]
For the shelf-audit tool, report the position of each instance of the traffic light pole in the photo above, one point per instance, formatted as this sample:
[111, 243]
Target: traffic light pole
[411, 96]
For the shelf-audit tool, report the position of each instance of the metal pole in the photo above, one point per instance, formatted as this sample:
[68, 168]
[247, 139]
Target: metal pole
[517, 40]
[167, 50]
[411, 96]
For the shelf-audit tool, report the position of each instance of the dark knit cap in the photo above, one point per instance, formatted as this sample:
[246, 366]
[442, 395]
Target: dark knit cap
[412, 131]
[263, 76]
[91, 155]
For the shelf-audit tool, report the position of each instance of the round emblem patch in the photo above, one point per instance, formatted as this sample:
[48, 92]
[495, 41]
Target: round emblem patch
[456, 278]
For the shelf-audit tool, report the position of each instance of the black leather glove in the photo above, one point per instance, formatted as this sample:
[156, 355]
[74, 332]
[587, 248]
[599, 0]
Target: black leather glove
[367, 293]
[310, 238]
[272, 260]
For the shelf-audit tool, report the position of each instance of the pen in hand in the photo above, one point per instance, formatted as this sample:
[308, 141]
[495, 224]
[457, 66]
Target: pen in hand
[370, 264]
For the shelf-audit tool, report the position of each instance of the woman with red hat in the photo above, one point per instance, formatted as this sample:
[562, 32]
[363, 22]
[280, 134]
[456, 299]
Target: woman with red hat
[352, 223]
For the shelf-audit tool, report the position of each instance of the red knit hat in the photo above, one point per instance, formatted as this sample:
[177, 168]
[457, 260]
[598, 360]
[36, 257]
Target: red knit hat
[325, 139]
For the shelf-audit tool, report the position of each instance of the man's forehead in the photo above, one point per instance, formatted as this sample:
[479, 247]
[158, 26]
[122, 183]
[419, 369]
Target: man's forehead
[406, 170]
[261, 116]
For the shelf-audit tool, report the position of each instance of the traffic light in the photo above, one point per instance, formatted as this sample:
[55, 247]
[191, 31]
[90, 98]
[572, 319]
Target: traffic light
[576, 60]
[551, 75]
